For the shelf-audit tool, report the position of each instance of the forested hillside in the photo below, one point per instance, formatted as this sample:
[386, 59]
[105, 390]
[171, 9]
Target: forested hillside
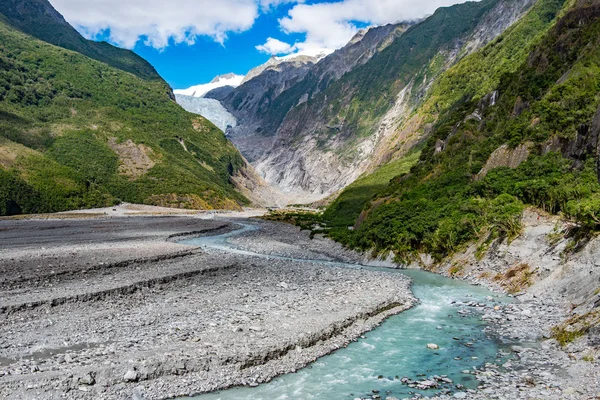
[515, 124]
[76, 132]
[39, 19]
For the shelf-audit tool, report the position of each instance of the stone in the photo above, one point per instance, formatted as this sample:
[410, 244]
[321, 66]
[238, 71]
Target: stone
[432, 346]
[460, 395]
[130, 376]
[87, 379]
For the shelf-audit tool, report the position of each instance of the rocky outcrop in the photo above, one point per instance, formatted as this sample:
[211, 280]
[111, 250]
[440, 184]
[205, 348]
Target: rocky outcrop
[546, 262]
[504, 156]
[252, 102]
[325, 144]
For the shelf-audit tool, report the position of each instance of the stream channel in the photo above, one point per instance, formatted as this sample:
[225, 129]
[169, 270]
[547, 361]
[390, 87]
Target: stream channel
[377, 361]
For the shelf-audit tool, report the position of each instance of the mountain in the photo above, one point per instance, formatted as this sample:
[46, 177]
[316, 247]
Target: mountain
[221, 81]
[251, 102]
[39, 19]
[332, 134]
[271, 90]
[300, 58]
[514, 125]
[77, 132]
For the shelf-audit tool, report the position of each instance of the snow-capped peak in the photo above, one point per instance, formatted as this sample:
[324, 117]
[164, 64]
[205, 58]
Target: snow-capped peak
[219, 81]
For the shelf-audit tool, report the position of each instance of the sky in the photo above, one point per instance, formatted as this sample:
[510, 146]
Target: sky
[190, 42]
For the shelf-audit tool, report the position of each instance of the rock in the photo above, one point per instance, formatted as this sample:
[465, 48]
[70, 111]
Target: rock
[255, 329]
[517, 349]
[130, 376]
[428, 383]
[432, 346]
[138, 393]
[460, 395]
[569, 391]
[87, 379]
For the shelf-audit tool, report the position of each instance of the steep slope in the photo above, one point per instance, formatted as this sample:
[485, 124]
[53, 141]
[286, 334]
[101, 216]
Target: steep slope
[474, 77]
[271, 90]
[76, 132]
[39, 19]
[251, 102]
[531, 141]
[327, 142]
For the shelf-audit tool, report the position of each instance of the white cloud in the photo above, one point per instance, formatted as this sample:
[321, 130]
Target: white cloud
[159, 20]
[275, 47]
[326, 25]
[271, 4]
[332, 25]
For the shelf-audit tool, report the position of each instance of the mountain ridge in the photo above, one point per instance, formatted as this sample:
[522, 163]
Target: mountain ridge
[39, 19]
[337, 131]
[76, 132]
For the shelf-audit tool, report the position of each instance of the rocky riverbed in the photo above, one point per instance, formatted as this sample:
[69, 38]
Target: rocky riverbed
[109, 308]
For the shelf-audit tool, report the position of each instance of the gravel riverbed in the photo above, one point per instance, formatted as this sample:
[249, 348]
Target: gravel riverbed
[108, 308]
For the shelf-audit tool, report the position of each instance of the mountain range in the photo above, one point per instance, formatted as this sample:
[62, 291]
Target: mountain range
[474, 101]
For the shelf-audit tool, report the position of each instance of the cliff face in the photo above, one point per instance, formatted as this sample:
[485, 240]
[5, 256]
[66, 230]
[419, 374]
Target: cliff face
[332, 135]
[269, 91]
[545, 263]
[252, 101]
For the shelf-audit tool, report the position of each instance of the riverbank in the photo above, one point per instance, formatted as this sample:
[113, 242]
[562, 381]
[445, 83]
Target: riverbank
[553, 325]
[108, 308]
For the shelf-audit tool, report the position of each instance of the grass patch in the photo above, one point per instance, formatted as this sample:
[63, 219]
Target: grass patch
[575, 327]
[516, 279]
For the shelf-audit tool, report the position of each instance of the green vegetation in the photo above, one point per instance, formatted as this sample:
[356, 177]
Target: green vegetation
[366, 93]
[39, 19]
[480, 73]
[575, 327]
[344, 211]
[75, 132]
[547, 74]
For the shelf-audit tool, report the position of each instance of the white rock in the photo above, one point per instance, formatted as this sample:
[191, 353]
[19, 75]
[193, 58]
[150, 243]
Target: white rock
[432, 346]
[130, 376]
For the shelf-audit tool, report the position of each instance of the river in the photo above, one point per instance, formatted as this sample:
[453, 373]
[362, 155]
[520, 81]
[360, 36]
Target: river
[447, 315]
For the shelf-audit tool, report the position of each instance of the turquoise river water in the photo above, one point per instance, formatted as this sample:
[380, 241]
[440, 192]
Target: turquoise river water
[396, 349]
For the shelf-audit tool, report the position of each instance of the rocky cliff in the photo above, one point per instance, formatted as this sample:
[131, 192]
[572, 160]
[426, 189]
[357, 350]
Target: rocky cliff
[269, 91]
[252, 102]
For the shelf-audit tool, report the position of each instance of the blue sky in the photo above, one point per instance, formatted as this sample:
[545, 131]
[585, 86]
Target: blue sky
[191, 41]
[183, 65]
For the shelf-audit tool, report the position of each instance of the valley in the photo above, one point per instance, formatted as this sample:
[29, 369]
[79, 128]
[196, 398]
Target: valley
[391, 203]
[194, 303]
